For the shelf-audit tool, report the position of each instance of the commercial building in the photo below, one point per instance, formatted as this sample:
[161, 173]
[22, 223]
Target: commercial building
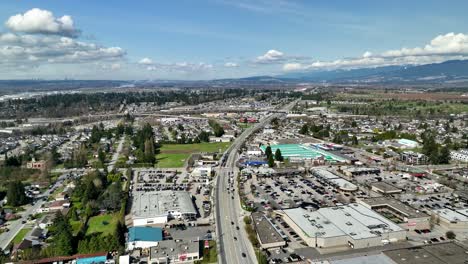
[440, 253]
[175, 251]
[461, 155]
[268, 235]
[385, 188]
[352, 225]
[356, 171]
[405, 215]
[334, 180]
[451, 219]
[143, 237]
[159, 207]
[413, 158]
[304, 152]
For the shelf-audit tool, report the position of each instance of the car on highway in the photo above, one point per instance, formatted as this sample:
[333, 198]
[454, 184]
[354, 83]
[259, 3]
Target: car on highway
[244, 255]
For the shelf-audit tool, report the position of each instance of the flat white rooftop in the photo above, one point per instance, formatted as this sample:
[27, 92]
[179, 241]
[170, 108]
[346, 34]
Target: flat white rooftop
[161, 203]
[460, 215]
[353, 220]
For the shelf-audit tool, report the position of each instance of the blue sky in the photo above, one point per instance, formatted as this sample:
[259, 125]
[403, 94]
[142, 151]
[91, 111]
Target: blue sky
[222, 38]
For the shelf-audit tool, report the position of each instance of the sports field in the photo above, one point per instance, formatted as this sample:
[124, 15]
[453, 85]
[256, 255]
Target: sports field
[175, 155]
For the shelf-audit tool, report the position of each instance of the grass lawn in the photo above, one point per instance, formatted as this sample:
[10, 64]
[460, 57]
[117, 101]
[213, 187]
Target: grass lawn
[75, 226]
[175, 155]
[171, 160]
[102, 224]
[21, 234]
[211, 255]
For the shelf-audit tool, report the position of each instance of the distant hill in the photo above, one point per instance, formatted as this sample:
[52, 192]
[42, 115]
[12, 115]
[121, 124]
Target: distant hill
[449, 71]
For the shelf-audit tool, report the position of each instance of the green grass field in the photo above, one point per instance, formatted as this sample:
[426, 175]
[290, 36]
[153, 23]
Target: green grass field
[104, 224]
[175, 155]
[20, 236]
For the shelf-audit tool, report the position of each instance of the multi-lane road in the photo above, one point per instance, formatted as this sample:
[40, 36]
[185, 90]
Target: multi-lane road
[233, 243]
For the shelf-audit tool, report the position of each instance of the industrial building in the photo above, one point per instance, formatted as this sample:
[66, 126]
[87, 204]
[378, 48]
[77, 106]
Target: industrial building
[451, 218]
[352, 225]
[268, 235]
[405, 215]
[159, 207]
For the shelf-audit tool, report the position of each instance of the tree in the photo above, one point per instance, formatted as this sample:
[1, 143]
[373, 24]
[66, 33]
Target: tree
[268, 151]
[450, 234]
[16, 195]
[278, 155]
[271, 161]
[355, 141]
[304, 130]
[444, 156]
[101, 156]
[13, 161]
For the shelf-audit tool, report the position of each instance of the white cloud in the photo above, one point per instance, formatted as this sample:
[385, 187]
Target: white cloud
[38, 21]
[293, 66]
[270, 56]
[37, 49]
[448, 44]
[230, 64]
[145, 61]
[442, 48]
[367, 54]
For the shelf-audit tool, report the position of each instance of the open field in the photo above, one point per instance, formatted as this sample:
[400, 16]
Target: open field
[175, 155]
[104, 224]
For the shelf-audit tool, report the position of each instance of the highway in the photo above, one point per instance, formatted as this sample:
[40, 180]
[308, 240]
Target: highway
[233, 243]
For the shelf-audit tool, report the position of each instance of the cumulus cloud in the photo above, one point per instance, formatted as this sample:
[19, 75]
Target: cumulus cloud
[293, 66]
[442, 48]
[271, 56]
[230, 64]
[38, 21]
[18, 49]
[448, 44]
[146, 61]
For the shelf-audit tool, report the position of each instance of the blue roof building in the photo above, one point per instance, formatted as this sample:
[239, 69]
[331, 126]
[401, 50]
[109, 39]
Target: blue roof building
[143, 237]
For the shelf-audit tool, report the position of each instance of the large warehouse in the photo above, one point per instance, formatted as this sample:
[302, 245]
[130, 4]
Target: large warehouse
[352, 225]
[158, 207]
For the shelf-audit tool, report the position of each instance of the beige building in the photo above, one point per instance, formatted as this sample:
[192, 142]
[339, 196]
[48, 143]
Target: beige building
[451, 218]
[406, 216]
[353, 225]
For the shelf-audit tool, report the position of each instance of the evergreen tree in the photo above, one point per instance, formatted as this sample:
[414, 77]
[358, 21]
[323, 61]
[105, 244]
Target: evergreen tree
[444, 155]
[304, 130]
[278, 155]
[16, 195]
[268, 151]
[271, 161]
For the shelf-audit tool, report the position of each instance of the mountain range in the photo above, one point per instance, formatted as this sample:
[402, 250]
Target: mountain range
[454, 71]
